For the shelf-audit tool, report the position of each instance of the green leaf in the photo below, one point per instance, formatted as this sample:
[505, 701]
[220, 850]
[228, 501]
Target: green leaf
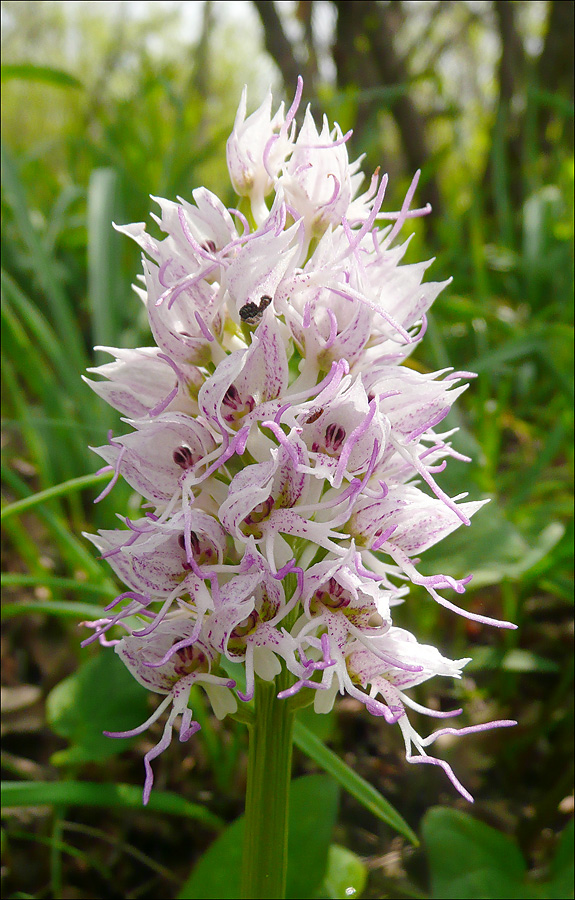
[346, 874]
[353, 783]
[492, 549]
[313, 811]
[493, 361]
[57, 451]
[323, 726]
[518, 660]
[515, 660]
[100, 696]
[88, 793]
[468, 859]
[313, 814]
[47, 74]
[562, 869]
[216, 876]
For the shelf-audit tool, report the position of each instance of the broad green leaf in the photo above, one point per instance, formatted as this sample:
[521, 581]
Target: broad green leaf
[488, 884]
[491, 549]
[89, 793]
[313, 814]
[562, 871]
[350, 781]
[323, 726]
[100, 696]
[313, 810]
[468, 859]
[515, 660]
[346, 875]
[216, 875]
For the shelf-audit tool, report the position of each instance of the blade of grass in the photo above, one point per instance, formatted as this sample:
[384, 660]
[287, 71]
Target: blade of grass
[72, 550]
[24, 545]
[18, 347]
[500, 174]
[60, 220]
[562, 105]
[510, 351]
[66, 324]
[59, 490]
[56, 862]
[64, 847]
[357, 786]
[46, 74]
[60, 608]
[42, 334]
[32, 438]
[36, 387]
[563, 379]
[122, 847]
[103, 268]
[109, 796]
[531, 477]
[50, 581]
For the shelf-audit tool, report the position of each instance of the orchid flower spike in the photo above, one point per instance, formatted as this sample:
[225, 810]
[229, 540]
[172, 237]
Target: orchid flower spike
[289, 464]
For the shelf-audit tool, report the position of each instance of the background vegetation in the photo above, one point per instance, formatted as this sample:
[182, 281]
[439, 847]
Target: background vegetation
[107, 103]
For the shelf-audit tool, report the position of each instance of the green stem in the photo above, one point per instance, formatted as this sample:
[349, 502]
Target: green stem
[264, 866]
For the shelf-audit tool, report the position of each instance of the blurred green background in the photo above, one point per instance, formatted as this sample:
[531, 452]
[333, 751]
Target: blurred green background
[105, 104]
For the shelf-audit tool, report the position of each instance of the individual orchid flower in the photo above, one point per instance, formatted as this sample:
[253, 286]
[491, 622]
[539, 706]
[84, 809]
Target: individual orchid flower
[256, 149]
[160, 454]
[346, 604]
[395, 662]
[168, 662]
[318, 180]
[142, 382]
[347, 436]
[246, 378]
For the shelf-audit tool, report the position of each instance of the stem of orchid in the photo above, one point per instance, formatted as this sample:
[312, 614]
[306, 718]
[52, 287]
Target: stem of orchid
[264, 866]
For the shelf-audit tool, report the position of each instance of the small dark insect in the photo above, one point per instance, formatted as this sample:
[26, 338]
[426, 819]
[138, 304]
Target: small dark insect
[251, 313]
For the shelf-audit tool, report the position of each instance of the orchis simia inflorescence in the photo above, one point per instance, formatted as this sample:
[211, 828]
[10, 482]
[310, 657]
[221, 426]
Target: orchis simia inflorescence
[286, 456]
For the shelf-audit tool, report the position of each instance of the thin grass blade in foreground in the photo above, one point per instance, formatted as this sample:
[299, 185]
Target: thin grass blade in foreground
[108, 796]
